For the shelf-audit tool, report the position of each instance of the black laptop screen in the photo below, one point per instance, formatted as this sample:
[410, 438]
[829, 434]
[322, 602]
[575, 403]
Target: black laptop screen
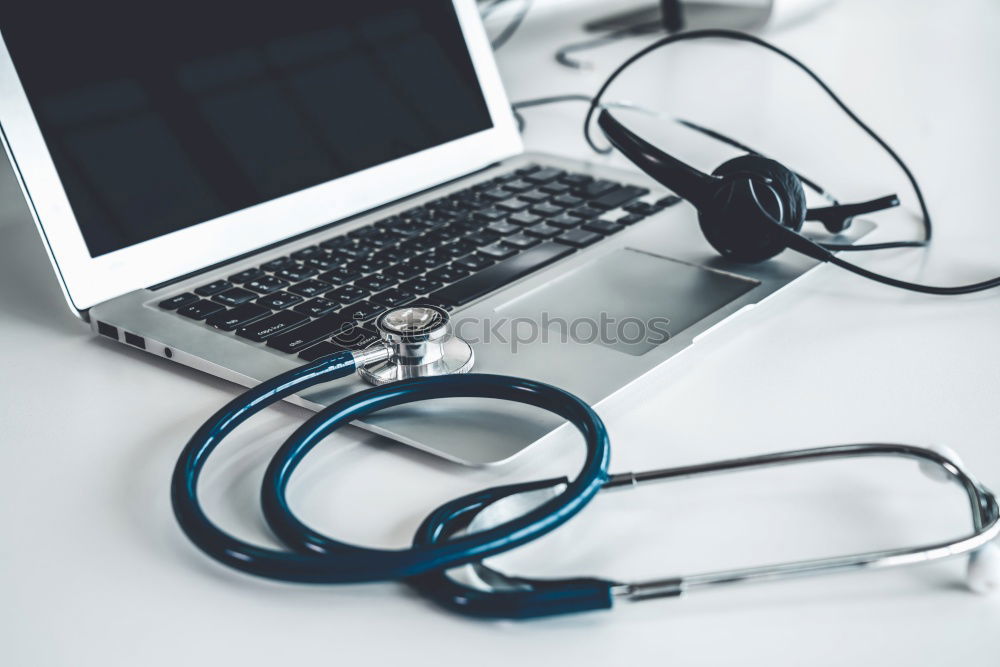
[163, 115]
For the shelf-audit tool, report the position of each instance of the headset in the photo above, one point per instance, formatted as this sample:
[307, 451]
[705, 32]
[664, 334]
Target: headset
[752, 207]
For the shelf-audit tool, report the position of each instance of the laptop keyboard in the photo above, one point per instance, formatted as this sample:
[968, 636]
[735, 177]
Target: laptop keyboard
[322, 298]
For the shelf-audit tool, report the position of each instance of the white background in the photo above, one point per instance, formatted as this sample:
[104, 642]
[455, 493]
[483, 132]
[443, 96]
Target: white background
[93, 570]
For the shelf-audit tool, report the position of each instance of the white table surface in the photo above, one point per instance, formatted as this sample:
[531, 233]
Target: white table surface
[94, 571]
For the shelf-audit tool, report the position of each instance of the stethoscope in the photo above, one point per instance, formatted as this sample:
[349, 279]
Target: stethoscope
[418, 358]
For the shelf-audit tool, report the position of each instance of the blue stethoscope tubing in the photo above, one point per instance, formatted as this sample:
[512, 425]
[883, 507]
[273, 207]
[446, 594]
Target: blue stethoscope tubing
[321, 559]
[536, 598]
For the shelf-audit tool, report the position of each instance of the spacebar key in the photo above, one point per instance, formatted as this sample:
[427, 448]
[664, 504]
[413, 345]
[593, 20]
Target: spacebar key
[501, 273]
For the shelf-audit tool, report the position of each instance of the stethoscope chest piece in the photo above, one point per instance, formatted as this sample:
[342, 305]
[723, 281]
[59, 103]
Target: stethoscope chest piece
[420, 344]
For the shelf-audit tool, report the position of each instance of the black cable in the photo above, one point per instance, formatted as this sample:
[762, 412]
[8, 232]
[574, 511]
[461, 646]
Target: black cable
[562, 55]
[701, 129]
[801, 244]
[512, 26]
[743, 37]
[916, 287]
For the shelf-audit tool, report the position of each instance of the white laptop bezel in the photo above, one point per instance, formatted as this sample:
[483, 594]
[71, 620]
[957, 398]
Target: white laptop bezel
[88, 280]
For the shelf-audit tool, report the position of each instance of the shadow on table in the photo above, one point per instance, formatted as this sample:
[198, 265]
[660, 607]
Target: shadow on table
[29, 289]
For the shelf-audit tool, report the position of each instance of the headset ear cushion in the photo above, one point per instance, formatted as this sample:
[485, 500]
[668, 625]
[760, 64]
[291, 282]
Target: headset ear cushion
[735, 226]
[783, 180]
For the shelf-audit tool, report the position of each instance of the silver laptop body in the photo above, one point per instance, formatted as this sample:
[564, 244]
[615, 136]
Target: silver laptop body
[591, 322]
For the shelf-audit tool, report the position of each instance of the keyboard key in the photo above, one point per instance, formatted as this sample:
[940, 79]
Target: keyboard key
[543, 175]
[175, 302]
[279, 300]
[246, 276]
[597, 188]
[302, 337]
[617, 197]
[200, 309]
[307, 253]
[430, 260]
[513, 205]
[348, 294]
[420, 244]
[568, 201]
[586, 212]
[323, 262]
[339, 276]
[502, 228]
[403, 271]
[546, 209]
[525, 219]
[489, 215]
[543, 231]
[309, 288]
[234, 296]
[420, 285]
[361, 311]
[501, 273]
[641, 207]
[266, 285]
[578, 238]
[392, 298]
[555, 188]
[458, 248]
[213, 288]
[277, 264]
[498, 251]
[376, 282]
[355, 337]
[669, 200]
[534, 196]
[391, 254]
[576, 179]
[521, 241]
[630, 219]
[369, 265]
[272, 325]
[448, 274]
[356, 251]
[473, 262]
[518, 185]
[295, 273]
[323, 349]
[238, 316]
[316, 307]
[496, 194]
[603, 227]
[564, 220]
[335, 242]
[481, 238]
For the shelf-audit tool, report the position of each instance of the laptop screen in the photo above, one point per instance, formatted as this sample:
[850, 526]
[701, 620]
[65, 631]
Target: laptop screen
[160, 116]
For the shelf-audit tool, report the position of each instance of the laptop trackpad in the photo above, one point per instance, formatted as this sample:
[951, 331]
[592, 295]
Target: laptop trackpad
[628, 300]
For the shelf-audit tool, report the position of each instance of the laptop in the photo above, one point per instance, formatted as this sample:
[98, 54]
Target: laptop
[224, 185]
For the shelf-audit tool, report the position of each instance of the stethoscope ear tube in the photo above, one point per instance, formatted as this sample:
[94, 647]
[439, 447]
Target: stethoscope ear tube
[500, 595]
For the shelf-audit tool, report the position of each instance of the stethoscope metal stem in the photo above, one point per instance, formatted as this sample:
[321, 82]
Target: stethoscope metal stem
[492, 588]
[982, 502]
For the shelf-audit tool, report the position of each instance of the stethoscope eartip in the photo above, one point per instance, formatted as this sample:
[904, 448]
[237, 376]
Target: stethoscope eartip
[982, 573]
